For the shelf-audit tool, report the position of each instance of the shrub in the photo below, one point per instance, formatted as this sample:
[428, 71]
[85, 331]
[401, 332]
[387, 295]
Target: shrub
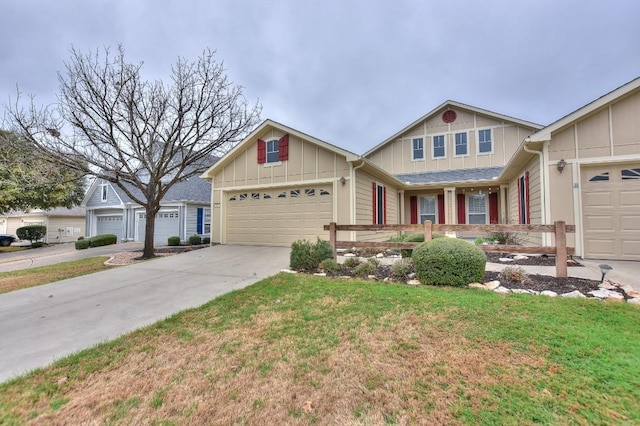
[103, 240]
[366, 268]
[306, 255]
[509, 238]
[80, 238]
[173, 241]
[479, 241]
[514, 274]
[351, 262]
[195, 240]
[31, 232]
[401, 269]
[37, 244]
[82, 244]
[411, 238]
[329, 265]
[449, 261]
[206, 240]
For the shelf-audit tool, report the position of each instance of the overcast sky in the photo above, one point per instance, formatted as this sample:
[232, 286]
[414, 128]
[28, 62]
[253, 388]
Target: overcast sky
[351, 73]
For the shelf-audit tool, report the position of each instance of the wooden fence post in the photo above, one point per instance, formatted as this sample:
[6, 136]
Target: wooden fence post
[561, 249]
[427, 230]
[332, 240]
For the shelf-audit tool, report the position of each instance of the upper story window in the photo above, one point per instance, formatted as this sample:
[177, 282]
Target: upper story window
[461, 144]
[103, 192]
[438, 146]
[485, 142]
[418, 149]
[273, 151]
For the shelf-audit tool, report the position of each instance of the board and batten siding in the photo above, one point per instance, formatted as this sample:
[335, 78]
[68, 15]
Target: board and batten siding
[364, 206]
[64, 229]
[397, 155]
[535, 200]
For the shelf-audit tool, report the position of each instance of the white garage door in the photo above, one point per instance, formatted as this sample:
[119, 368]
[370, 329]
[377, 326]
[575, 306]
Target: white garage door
[109, 225]
[611, 211]
[167, 225]
[278, 217]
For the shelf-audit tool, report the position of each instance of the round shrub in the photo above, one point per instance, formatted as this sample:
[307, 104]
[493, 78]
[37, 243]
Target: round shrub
[82, 244]
[195, 240]
[31, 232]
[173, 241]
[206, 240]
[103, 240]
[449, 261]
[417, 238]
[306, 255]
[329, 265]
[365, 269]
[351, 262]
[401, 269]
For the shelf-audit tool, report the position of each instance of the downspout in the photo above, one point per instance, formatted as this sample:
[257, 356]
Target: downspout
[543, 204]
[353, 198]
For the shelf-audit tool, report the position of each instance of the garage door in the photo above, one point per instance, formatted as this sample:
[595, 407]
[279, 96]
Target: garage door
[611, 211]
[109, 225]
[167, 225]
[278, 217]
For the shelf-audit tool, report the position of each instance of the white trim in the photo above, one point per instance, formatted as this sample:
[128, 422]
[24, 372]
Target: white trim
[435, 204]
[278, 185]
[413, 149]
[455, 144]
[433, 147]
[486, 207]
[493, 141]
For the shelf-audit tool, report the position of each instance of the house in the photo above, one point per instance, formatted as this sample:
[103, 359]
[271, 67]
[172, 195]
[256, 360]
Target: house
[184, 211]
[63, 225]
[458, 164]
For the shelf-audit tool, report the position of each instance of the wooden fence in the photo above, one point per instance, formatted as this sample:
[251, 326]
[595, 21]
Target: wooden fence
[559, 229]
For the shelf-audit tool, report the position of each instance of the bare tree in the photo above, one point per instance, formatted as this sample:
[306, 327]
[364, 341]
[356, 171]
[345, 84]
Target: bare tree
[110, 123]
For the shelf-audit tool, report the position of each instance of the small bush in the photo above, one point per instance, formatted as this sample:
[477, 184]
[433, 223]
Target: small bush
[411, 238]
[80, 238]
[514, 274]
[329, 265]
[366, 268]
[206, 240]
[37, 244]
[479, 241]
[82, 244]
[195, 240]
[31, 232]
[306, 255]
[103, 240]
[401, 269]
[449, 261]
[351, 262]
[173, 241]
[508, 238]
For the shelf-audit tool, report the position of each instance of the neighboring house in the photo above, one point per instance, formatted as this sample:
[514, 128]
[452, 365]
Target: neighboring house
[456, 165]
[63, 225]
[184, 211]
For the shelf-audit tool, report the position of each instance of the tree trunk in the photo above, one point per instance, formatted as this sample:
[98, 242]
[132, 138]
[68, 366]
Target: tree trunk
[149, 231]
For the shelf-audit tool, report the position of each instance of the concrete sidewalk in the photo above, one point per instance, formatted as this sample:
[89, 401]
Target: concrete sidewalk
[41, 324]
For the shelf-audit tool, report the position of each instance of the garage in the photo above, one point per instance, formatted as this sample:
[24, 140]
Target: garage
[610, 206]
[111, 224]
[167, 225]
[278, 217]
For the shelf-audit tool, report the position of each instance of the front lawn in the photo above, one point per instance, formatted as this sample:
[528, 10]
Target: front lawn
[297, 349]
[23, 278]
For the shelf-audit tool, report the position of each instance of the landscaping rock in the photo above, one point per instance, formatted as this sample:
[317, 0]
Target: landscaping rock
[631, 292]
[411, 275]
[608, 285]
[288, 271]
[371, 277]
[413, 282]
[603, 293]
[520, 257]
[492, 285]
[634, 301]
[320, 274]
[341, 250]
[478, 285]
[548, 293]
[505, 259]
[380, 255]
[573, 295]
[502, 290]
[349, 255]
[521, 291]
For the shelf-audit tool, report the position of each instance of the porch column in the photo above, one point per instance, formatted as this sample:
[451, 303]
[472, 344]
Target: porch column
[450, 205]
[504, 204]
[401, 207]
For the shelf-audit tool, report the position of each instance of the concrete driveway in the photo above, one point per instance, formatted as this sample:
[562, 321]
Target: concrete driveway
[41, 324]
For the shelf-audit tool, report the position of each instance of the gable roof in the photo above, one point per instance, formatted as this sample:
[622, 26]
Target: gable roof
[350, 156]
[57, 211]
[192, 189]
[452, 104]
[544, 134]
[479, 175]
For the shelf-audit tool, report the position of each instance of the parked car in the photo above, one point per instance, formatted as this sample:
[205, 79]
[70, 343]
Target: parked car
[6, 240]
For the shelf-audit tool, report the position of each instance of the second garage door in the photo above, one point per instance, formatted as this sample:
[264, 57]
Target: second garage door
[110, 225]
[167, 225]
[611, 211]
[278, 217]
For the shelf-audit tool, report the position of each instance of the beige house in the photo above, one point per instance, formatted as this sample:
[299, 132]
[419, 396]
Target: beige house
[458, 164]
[63, 225]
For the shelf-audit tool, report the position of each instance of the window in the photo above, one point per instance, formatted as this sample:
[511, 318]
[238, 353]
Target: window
[243, 197]
[324, 192]
[632, 174]
[438, 146]
[255, 195]
[428, 209]
[477, 209]
[283, 195]
[601, 177]
[233, 198]
[485, 144]
[273, 152]
[103, 192]
[295, 193]
[379, 204]
[310, 192]
[523, 199]
[418, 149]
[203, 221]
[461, 144]
[266, 196]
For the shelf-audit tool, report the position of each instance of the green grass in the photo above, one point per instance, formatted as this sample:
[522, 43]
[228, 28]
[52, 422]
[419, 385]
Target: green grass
[23, 278]
[10, 249]
[300, 349]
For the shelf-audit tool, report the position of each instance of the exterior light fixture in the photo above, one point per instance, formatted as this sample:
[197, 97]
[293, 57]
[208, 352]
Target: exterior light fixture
[561, 165]
[343, 180]
[604, 269]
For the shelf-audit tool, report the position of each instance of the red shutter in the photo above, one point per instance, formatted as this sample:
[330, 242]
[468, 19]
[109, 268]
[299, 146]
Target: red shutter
[413, 201]
[493, 208]
[526, 189]
[384, 204]
[373, 195]
[462, 216]
[519, 207]
[441, 208]
[262, 151]
[283, 148]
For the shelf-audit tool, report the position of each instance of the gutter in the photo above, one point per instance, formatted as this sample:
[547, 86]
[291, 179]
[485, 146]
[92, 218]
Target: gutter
[352, 195]
[543, 180]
